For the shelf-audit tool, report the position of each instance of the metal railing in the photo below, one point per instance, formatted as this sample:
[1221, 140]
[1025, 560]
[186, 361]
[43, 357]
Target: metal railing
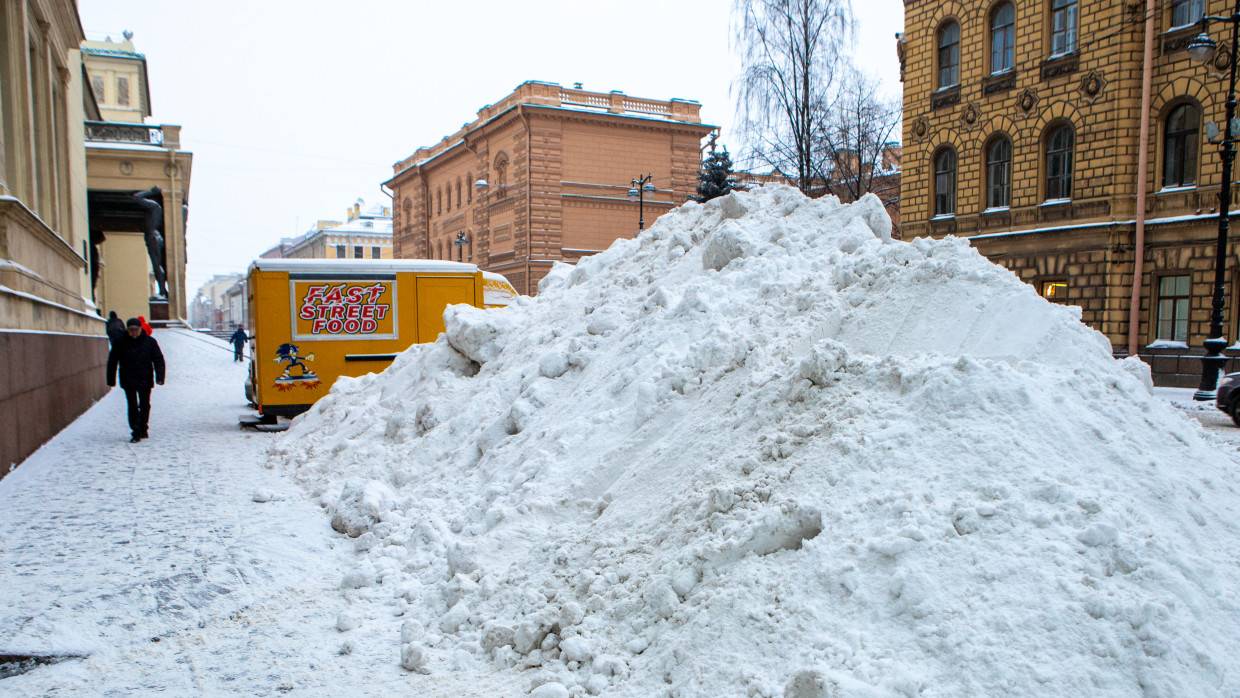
[116, 132]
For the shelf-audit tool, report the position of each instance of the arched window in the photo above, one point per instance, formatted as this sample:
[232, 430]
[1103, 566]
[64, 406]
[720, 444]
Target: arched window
[1063, 27]
[949, 55]
[501, 174]
[1002, 38]
[469, 187]
[945, 182]
[1187, 12]
[439, 202]
[1059, 162]
[458, 192]
[1180, 146]
[999, 173]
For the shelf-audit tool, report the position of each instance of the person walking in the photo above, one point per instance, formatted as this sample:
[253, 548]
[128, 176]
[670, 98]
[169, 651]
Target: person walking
[138, 357]
[238, 340]
[115, 328]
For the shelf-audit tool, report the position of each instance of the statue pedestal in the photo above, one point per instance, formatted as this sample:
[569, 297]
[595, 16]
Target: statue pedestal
[159, 310]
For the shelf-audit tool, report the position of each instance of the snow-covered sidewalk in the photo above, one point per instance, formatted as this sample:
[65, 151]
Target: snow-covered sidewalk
[155, 564]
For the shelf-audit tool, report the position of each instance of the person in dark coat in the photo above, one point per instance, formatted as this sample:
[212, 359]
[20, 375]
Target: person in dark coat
[238, 340]
[138, 357]
[115, 328]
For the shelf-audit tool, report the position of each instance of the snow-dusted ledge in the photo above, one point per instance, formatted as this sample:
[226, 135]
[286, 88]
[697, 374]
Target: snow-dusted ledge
[1166, 344]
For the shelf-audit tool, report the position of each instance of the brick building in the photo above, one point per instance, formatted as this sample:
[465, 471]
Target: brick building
[883, 180]
[541, 176]
[1023, 129]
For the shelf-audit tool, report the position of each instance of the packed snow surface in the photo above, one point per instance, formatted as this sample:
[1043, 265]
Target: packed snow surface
[763, 450]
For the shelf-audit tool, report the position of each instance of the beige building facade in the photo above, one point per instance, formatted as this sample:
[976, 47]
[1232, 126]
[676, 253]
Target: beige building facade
[51, 339]
[1023, 123]
[125, 155]
[210, 304]
[541, 176]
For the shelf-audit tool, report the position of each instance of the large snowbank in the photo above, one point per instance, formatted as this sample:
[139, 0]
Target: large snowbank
[763, 450]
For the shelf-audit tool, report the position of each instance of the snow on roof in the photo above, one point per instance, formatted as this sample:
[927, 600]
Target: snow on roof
[362, 265]
[363, 224]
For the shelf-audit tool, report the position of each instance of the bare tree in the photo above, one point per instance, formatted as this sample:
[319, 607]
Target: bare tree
[855, 143]
[789, 54]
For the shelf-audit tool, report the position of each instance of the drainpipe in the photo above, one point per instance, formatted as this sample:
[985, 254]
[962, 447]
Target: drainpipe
[426, 216]
[1143, 158]
[529, 233]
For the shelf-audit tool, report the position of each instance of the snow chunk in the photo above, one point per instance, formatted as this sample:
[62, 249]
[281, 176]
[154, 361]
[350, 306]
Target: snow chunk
[552, 689]
[360, 505]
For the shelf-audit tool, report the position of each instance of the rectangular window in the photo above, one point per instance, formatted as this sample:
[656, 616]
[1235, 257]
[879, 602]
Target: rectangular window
[1063, 27]
[1173, 302]
[357, 252]
[122, 91]
[376, 253]
[96, 84]
[1055, 291]
[1003, 39]
[949, 55]
[339, 251]
[1187, 12]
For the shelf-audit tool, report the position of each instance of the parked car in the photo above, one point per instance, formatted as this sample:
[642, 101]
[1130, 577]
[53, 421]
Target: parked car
[1227, 398]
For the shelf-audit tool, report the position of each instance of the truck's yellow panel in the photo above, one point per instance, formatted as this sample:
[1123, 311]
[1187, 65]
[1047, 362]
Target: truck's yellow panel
[313, 322]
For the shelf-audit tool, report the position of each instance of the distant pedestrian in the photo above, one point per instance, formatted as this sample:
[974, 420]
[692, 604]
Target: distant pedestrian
[115, 328]
[146, 326]
[138, 356]
[238, 340]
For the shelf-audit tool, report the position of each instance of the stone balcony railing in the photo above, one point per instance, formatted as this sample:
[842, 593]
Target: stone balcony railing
[551, 94]
[161, 135]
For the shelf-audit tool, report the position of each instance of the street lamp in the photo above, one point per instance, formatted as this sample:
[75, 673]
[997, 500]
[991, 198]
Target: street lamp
[641, 185]
[461, 241]
[1201, 48]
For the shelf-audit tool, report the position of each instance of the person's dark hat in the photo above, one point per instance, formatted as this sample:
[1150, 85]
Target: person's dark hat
[112, 315]
[132, 322]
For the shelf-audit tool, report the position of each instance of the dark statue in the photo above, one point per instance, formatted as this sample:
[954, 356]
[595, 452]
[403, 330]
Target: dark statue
[152, 223]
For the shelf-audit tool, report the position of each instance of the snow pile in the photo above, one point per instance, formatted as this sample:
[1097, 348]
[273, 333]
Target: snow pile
[763, 450]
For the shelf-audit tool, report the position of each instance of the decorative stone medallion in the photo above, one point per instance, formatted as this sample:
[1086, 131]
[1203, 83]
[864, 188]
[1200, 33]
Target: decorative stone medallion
[970, 116]
[1092, 85]
[1027, 100]
[126, 167]
[921, 128]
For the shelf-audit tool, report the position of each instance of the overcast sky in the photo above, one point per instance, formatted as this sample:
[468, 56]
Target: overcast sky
[293, 109]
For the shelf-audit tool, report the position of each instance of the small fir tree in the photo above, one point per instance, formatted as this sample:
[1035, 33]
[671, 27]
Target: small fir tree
[715, 179]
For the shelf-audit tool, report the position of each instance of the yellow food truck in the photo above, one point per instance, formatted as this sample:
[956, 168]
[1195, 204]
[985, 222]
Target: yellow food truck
[313, 320]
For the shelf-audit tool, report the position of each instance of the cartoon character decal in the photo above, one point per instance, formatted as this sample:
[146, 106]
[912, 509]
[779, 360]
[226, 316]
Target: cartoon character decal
[290, 355]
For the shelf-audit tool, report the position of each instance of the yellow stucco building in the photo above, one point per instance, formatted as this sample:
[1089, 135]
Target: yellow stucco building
[366, 233]
[125, 155]
[1076, 154]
